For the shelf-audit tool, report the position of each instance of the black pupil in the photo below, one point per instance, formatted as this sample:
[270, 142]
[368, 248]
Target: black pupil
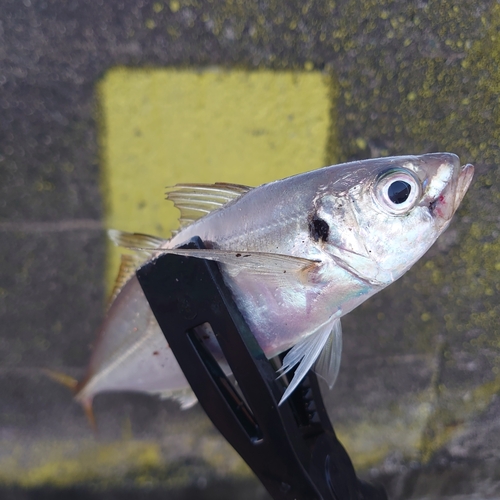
[399, 192]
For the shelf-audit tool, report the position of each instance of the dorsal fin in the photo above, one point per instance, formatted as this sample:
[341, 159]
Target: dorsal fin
[128, 266]
[197, 200]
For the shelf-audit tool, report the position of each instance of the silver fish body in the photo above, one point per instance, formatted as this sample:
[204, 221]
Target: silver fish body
[298, 254]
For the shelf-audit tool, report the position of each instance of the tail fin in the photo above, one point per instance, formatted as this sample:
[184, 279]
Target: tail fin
[89, 413]
[61, 378]
[73, 385]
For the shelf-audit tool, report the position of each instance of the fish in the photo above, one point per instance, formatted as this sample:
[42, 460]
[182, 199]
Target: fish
[297, 254]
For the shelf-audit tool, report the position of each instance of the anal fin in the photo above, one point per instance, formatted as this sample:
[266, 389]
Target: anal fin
[128, 266]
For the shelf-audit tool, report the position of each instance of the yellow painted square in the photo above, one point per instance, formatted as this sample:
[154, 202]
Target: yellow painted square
[165, 126]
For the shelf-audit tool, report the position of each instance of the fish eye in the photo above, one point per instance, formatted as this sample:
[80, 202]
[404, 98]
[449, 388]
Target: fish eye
[397, 191]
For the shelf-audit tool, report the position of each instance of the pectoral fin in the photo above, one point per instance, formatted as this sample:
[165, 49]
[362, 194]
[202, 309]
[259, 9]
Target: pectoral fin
[262, 263]
[284, 268]
[307, 351]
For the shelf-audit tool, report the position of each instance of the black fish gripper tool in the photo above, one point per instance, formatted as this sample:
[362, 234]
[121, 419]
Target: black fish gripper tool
[291, 448]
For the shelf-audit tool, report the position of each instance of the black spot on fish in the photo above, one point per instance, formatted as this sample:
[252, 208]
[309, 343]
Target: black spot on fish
[319, 229]
[156, 353]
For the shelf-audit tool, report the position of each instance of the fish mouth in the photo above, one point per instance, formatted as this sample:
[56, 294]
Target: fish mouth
[447, 189]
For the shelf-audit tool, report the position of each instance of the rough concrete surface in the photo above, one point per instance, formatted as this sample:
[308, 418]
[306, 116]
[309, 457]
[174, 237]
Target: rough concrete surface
[416, 401]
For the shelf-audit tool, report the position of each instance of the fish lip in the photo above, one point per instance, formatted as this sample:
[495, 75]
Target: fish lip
[445, 204]
[464, 182]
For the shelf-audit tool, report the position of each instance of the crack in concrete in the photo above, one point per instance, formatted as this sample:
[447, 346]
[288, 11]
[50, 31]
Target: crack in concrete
[51, 226]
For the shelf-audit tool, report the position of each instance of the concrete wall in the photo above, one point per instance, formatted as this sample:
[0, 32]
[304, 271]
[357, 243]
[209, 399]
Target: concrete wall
[102, 104]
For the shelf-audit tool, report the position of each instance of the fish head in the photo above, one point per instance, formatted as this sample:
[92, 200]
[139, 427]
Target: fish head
[385, 213]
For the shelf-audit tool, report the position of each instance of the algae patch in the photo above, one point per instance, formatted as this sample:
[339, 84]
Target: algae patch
[66, 463]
